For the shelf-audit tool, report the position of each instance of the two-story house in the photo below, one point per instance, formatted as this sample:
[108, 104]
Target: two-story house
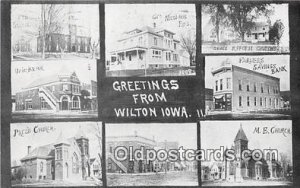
[146, 48]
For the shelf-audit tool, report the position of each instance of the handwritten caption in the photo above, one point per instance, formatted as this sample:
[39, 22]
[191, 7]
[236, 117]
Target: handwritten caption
[29, 69]
[32, 130]
[260, 64]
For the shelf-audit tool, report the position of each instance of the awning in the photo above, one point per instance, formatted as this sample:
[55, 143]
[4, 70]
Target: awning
[219, 96]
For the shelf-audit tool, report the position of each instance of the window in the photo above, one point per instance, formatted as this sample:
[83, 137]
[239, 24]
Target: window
[65, 87]
[155, 41]
[254, 85]
[260, 101]
[216, 85]
[43, 103]
[265, 101]
[174, 46]
[248, 101]
[240, 85]
[221, 84]
[254, 101]
[129, 57]
[240, 100]
[268, 89]
[175, 57]
[248, 86]
[228, 83]
[75, 163]
[75, 102]
[58, 154]
[168, 56]
[156, 54]
[262, 87]
[41, 167]
[270, 102]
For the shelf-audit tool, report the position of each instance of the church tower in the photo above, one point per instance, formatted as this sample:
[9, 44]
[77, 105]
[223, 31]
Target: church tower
[83, 143]
[240, 142]
[62, 167]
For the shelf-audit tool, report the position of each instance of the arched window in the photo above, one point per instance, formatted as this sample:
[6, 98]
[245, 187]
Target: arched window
[75, 165]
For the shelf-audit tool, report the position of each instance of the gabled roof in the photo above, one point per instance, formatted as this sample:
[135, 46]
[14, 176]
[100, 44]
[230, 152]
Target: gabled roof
[241, 135]
[46, 151]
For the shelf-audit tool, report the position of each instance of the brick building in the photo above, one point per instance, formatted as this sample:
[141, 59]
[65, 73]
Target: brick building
[239, 169]
[58, 42]
[241, 89]
[136, 142]
[66, 159]
[56, 92]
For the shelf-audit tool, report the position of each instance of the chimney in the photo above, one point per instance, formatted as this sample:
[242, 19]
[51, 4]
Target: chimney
[28, 149]
[154, 25]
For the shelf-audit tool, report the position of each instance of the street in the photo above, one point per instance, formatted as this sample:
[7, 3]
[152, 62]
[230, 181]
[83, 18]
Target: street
[248, 183]
[19, 116]
[245, 116]
[175, 178]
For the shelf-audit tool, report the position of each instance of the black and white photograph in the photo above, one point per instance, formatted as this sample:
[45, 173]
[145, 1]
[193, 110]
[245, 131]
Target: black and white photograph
[247, 87]
[245, 28]
[140, 155]
[54, 51]
[246, 153]
[56, 154]
[150, 39]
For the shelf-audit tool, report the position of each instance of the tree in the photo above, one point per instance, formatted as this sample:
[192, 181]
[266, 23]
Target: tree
[276, 32]
[284, 163]
[84, 98]
[188, 43]
[20, 173]
[93, 47]
[97, 129]
[51, 22]
[242, 16]
[217, 15]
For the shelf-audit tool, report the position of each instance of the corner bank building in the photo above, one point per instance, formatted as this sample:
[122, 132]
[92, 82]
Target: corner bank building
[239, 89]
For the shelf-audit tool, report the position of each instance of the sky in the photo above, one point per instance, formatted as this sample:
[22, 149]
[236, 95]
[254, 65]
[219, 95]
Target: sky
[211, 62]
[19, 143]
[225, 132]
[185, 133]
[120, 18]
[51, 67]
[86, 15]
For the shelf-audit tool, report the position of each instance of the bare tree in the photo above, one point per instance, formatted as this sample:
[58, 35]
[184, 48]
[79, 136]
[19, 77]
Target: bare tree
[98, 134]
[51, 22]
[93, 46]
[188, 43]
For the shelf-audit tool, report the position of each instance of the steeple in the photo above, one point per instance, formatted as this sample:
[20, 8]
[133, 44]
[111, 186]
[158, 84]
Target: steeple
[80, 133]
[241, 135]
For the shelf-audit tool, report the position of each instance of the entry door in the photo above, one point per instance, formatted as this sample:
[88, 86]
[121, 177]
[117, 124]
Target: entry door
[65, 104]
